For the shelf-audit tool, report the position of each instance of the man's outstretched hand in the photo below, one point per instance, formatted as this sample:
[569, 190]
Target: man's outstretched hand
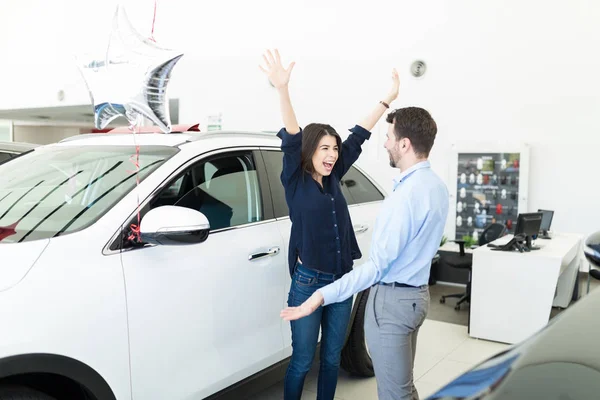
[304, 309]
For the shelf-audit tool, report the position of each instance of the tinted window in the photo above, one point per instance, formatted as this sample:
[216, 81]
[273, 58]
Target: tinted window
[356, 187]
[274, 164]
[225, 189]
[63, 189]
[4, 157]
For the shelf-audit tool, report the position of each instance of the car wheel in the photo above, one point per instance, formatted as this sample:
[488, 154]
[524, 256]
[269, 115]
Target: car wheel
[355, 356]
[22, 393]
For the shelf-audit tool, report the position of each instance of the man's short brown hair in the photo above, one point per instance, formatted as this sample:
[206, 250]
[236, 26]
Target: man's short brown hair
[415, 124]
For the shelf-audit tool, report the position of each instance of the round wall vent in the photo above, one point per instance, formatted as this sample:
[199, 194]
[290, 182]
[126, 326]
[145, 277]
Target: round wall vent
[418, 68]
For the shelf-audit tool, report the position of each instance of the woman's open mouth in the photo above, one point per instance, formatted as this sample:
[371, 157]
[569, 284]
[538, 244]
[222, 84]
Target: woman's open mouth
[328, 166]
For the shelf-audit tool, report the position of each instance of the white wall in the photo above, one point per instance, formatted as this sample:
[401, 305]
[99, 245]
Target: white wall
[42, 134]
[515, 71]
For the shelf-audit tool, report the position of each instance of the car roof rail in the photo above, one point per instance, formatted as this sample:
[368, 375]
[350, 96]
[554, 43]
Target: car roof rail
[142, 130]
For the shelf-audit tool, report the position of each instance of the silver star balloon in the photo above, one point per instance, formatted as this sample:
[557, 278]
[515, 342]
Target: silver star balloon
[131, 77]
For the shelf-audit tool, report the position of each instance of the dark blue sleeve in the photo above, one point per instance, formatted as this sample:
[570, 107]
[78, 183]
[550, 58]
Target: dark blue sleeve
[291, 145]
[351, 149]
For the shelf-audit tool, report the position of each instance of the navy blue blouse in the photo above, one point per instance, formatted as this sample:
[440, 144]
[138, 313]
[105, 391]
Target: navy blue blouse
[322, 232]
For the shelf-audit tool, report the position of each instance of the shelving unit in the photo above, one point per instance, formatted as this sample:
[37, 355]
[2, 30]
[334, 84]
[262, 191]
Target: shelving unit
[488, 184]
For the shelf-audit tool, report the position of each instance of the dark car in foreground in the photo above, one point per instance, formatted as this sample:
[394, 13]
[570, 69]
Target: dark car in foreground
[561, 361]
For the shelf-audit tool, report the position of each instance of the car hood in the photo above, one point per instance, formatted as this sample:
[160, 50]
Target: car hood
[16, 259]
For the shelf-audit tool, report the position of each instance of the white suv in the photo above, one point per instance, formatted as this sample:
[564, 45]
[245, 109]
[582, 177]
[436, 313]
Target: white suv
[89, 313]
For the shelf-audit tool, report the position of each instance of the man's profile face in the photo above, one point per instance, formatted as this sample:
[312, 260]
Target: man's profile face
[392, 145]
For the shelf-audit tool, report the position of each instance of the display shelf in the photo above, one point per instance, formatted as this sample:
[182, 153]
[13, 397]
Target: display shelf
[488, 184]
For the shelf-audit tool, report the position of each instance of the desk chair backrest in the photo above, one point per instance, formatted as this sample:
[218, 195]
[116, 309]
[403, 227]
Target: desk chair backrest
[592, 249]
[491, 233]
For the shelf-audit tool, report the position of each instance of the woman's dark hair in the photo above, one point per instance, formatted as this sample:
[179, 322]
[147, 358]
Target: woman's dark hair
[311, 136]
[415, 124]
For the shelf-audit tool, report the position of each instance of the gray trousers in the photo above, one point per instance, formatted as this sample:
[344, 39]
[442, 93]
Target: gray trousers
[393, 318]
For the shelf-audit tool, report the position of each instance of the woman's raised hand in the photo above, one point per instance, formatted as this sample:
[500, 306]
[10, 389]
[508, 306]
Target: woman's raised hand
[278, 75]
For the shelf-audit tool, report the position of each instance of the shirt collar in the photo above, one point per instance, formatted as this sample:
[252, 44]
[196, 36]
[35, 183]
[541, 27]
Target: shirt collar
[408, 172]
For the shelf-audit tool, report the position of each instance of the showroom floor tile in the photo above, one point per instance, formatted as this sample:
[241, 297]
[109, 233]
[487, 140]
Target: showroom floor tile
[444, 351]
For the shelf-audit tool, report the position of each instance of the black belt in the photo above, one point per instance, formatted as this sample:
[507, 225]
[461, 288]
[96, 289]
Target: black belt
[396, 284]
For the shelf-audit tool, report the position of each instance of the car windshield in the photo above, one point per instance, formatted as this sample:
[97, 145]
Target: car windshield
[59, 190]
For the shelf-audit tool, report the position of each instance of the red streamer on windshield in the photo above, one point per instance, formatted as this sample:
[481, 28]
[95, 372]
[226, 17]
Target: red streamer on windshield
[135, 160]
[6, 231]
[153, 21]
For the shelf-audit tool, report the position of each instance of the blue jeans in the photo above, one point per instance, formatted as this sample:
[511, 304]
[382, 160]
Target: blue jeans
[332, 319]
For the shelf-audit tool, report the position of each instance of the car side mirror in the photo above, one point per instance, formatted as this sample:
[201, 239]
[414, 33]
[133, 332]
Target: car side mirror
[174, 225]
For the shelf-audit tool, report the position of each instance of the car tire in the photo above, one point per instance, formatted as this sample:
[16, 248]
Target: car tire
[355, 356]
[22, 393]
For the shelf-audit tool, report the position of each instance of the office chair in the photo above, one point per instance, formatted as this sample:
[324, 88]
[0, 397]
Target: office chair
[463, 260]
[591, 249]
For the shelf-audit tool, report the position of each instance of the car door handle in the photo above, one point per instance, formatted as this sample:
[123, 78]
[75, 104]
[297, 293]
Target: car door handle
[273, 251]
[360, 228]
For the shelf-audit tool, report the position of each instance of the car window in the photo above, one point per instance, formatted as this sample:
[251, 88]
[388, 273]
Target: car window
[274, 164]
[4, 157]
[224, 188]
[356, 187]
[63, 189]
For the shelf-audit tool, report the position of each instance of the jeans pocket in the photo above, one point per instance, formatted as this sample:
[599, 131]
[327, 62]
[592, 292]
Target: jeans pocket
[304, 280]
[300, 293]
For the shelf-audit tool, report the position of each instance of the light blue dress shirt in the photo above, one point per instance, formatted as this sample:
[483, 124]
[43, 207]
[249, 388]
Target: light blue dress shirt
[407, 234]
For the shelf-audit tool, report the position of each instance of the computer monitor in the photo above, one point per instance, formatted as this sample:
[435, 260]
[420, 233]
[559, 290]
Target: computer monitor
[528, 225]
[546, 221]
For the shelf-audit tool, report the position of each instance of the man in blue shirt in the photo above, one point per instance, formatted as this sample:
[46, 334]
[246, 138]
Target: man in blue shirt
[407, 235]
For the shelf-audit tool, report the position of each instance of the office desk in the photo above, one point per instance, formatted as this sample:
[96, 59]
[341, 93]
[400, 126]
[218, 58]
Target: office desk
[512, 293]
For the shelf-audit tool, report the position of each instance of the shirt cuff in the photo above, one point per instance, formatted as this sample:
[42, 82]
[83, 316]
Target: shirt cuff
[361, 132]
[329, 293]
[288, 139]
